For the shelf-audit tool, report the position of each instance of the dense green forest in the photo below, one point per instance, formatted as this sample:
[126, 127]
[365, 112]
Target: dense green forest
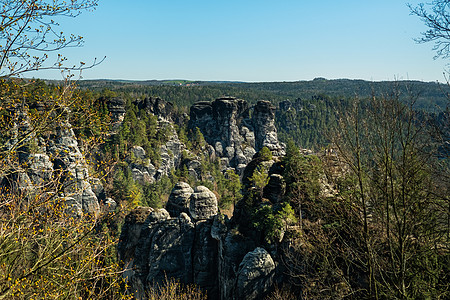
[367, 240]
[305, 109]
[429, 96]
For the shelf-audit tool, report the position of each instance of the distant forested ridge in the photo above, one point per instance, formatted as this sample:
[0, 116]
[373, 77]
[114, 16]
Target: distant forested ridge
[305, 109]
[429, 96]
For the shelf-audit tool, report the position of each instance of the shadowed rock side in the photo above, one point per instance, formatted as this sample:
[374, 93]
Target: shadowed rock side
[234, 136]
[178, 201]
[116, 108]
[158, 107]
[193, 245]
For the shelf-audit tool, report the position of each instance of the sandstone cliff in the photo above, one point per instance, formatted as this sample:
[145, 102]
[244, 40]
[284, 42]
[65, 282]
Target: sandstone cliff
[236, 131]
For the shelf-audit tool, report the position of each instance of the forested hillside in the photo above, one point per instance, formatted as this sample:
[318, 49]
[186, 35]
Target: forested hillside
[352, 213]
[179, 189]
[305, 109]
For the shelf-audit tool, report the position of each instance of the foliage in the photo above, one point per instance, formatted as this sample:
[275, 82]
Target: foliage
[273, 222]
[302, 175]
[45, 251]
[29, 31]
[231, 189]
[429, 94]
[438, 22]
[174, 290]
[259, 178]
[390, 159]
[264, 154]
[283, 293]
[198, 140]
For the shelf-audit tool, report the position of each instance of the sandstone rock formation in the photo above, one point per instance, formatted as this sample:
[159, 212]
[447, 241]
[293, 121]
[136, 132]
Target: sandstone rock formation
[170, 152]
[265, 132]
[157, 107]
[233, 135]
[178, 201]
[202, 204]
[255, 274]
[67, 158]
[116, 107]
[41, 156]
[194, 247]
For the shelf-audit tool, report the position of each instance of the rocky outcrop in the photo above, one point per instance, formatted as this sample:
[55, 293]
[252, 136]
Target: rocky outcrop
[265, 131]
[68, 159]
[202, 204]
[170, 153]
[142, 170]
[116, 108]
[157, 107]
[255, 275]
[40, 168]
[275, 188]
[168, 247]
[40, 156]
[235, 137]
[224, 124]
[178, 201]
[192, 246]
[189, 240]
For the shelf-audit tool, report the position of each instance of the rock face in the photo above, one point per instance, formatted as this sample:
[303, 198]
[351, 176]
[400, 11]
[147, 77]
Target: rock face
[255, 274]
[142, 169]
[203, 204]
[168, 247]
[116, 106]
[235, 137]
[170, 152]
[157, 106]
[41, 157]
[178, 201]
[265, 130]
[68, 158]
[40, 168]
[275, 188]
[193, 246]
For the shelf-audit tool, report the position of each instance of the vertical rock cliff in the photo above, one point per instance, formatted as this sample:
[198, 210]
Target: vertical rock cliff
[234, 135]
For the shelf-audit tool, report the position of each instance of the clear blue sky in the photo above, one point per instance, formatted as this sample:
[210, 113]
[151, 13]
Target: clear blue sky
[249, 40]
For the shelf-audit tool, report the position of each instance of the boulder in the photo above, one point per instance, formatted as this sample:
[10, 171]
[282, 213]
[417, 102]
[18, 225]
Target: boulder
[98, 188]
[109, 205]
[142, 177]
[157, 216]
[255, 275]
[138, 152]
[194, 168]
[179, 197]
[203, 203]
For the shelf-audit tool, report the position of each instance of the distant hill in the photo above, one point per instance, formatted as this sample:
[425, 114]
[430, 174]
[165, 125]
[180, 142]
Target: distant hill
[429, 96]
